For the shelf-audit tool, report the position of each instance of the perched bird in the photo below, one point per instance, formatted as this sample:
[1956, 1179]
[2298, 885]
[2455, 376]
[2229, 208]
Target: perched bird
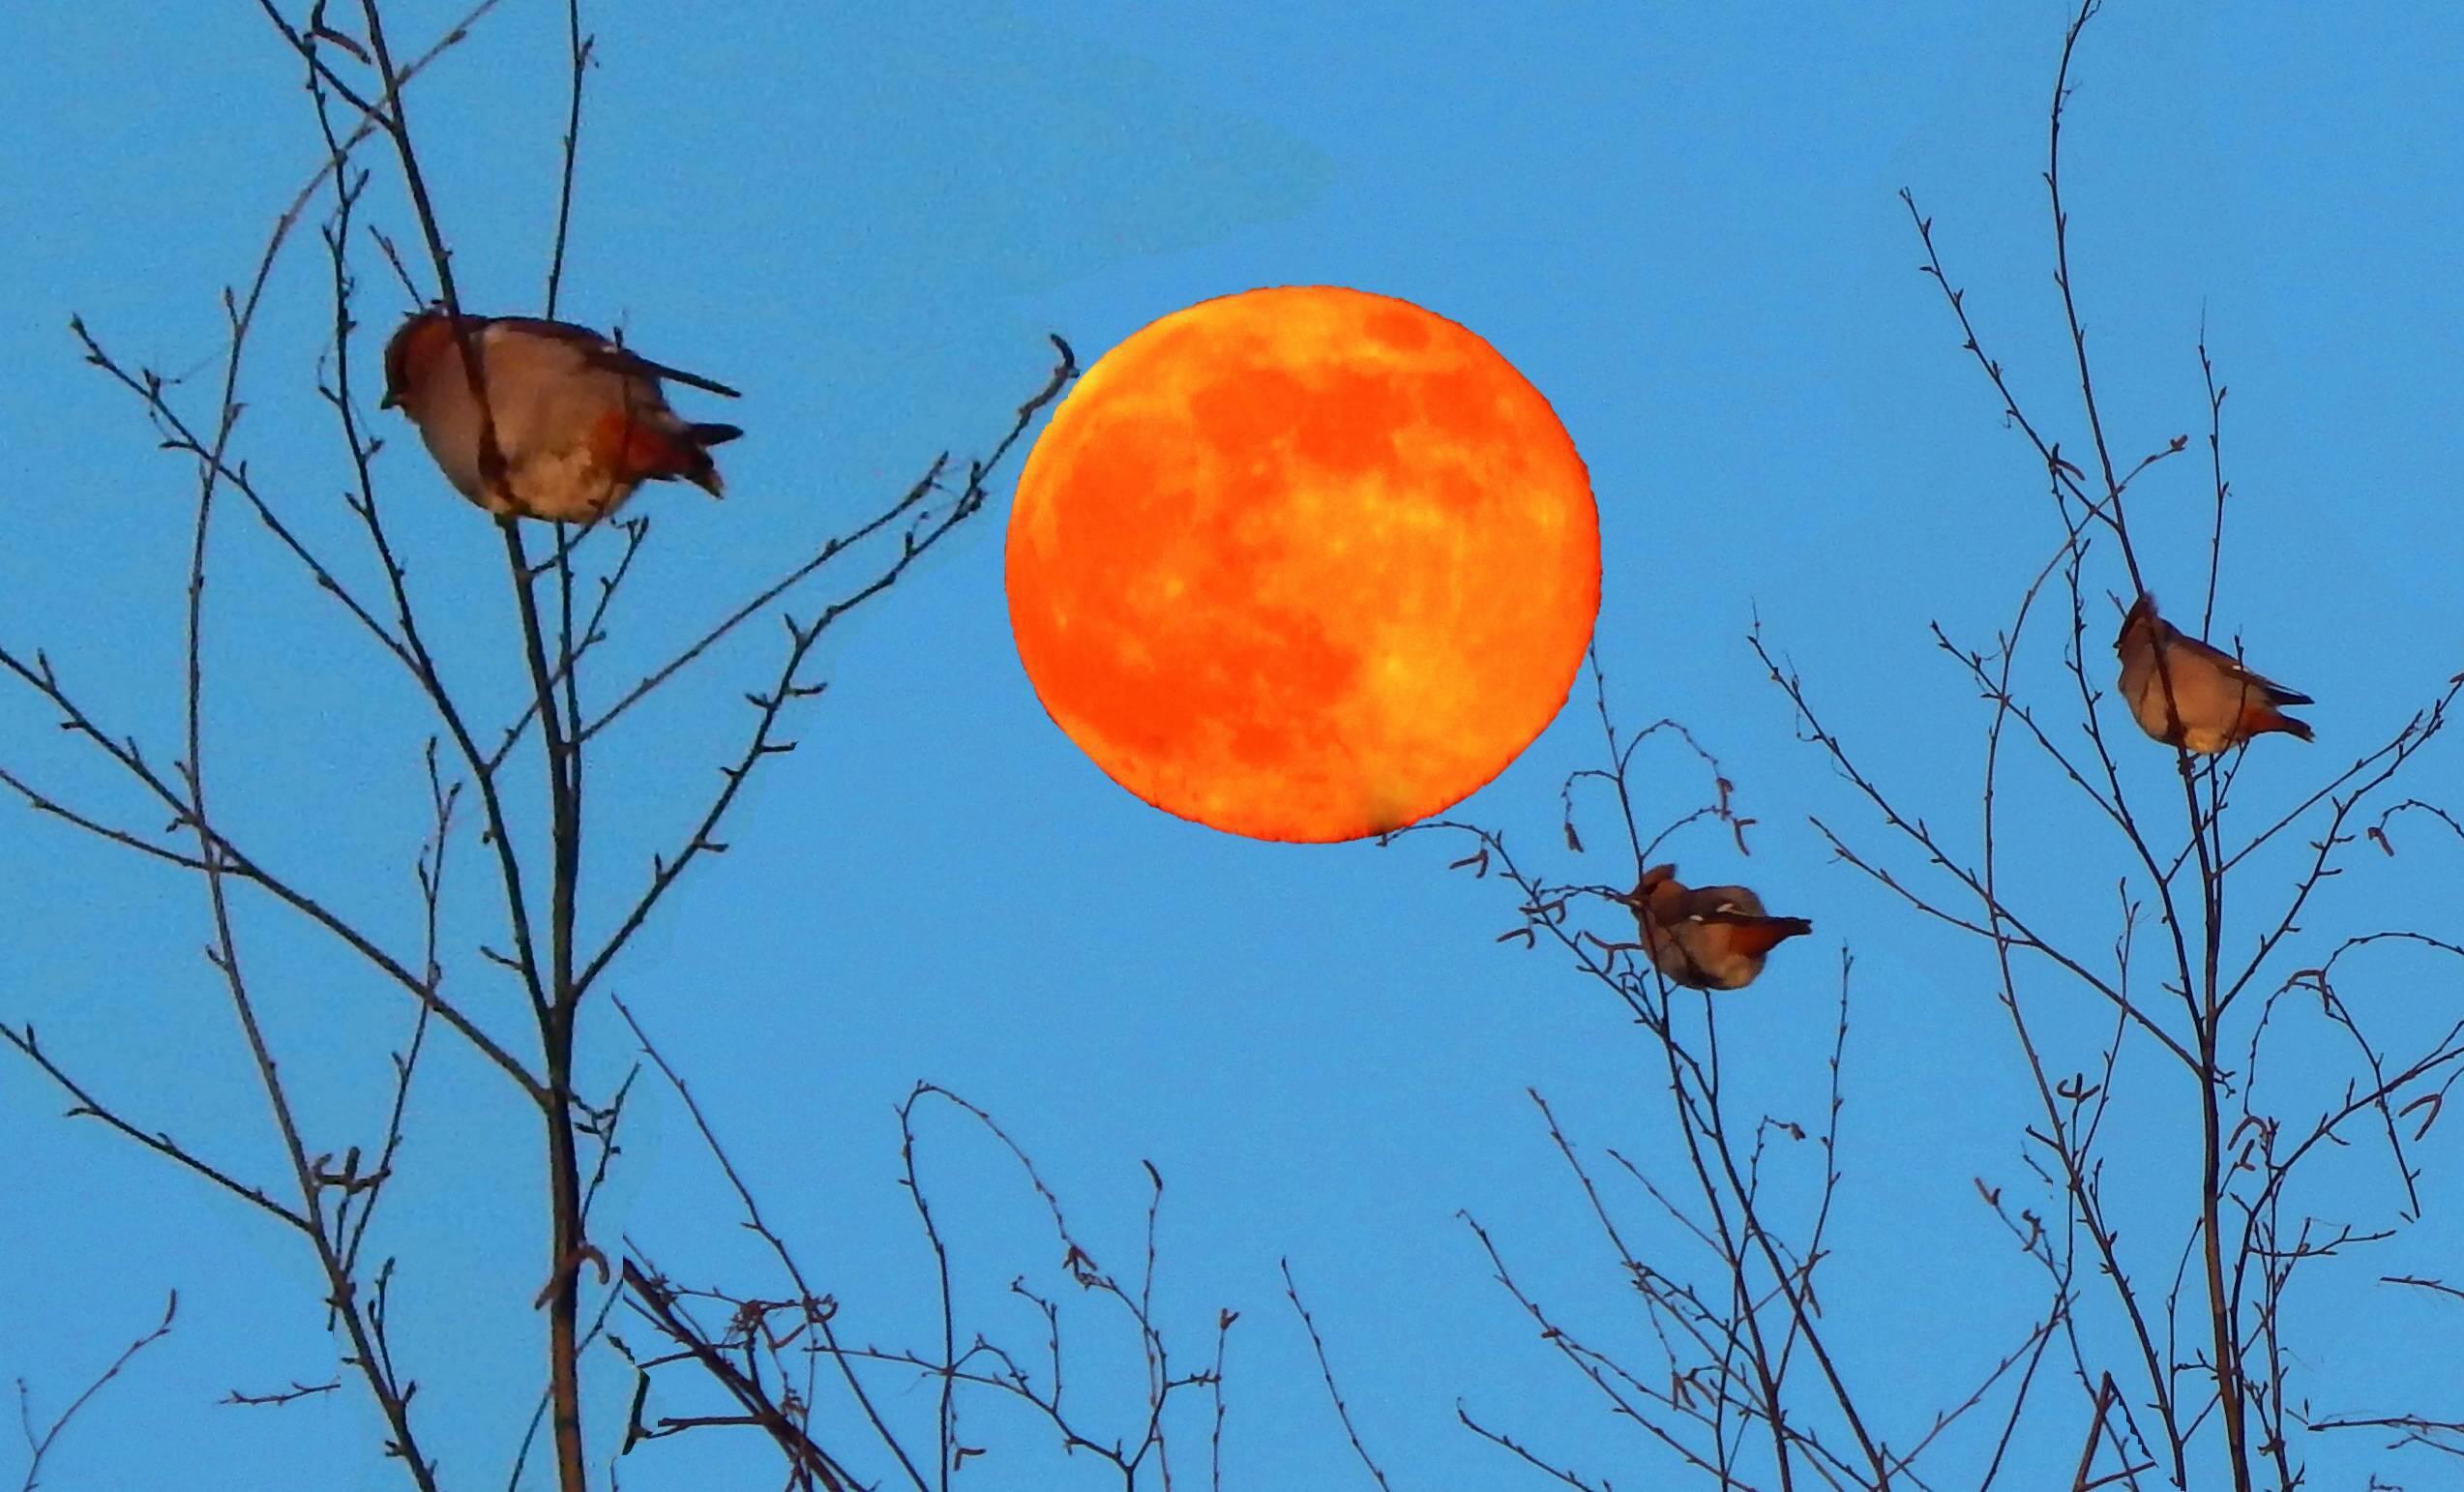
[2212, 703]
[579, 421]
[1712, 939]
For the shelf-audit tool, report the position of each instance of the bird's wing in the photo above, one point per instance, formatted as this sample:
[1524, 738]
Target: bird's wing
[609, 354]
[1723, 903]
[2235, 668]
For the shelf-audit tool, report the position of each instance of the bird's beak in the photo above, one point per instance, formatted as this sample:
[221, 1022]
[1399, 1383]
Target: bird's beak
[388, 401]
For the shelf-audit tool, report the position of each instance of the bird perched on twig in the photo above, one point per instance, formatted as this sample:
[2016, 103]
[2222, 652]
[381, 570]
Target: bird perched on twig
[577, 421]
[1712, 939]
[2212, 700]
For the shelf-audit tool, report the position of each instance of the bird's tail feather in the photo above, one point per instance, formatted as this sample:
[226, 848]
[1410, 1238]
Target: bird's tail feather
[1761, 935]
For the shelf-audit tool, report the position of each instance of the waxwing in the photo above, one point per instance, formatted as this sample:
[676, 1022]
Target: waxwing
[2213, 702]
[579, 420]
[1712, 939]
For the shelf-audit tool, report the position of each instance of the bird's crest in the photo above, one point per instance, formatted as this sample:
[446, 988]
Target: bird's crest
[416, 343]
[2142, 613]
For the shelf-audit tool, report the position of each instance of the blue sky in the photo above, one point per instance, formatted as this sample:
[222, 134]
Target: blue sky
[1679, 223]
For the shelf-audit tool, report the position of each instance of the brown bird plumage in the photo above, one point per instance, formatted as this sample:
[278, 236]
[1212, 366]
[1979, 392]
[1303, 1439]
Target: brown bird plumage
[1714, 938]
[2214, 701]
[579, 421]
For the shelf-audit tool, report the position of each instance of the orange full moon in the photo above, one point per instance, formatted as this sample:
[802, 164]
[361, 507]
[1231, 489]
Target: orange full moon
[1303, 563]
